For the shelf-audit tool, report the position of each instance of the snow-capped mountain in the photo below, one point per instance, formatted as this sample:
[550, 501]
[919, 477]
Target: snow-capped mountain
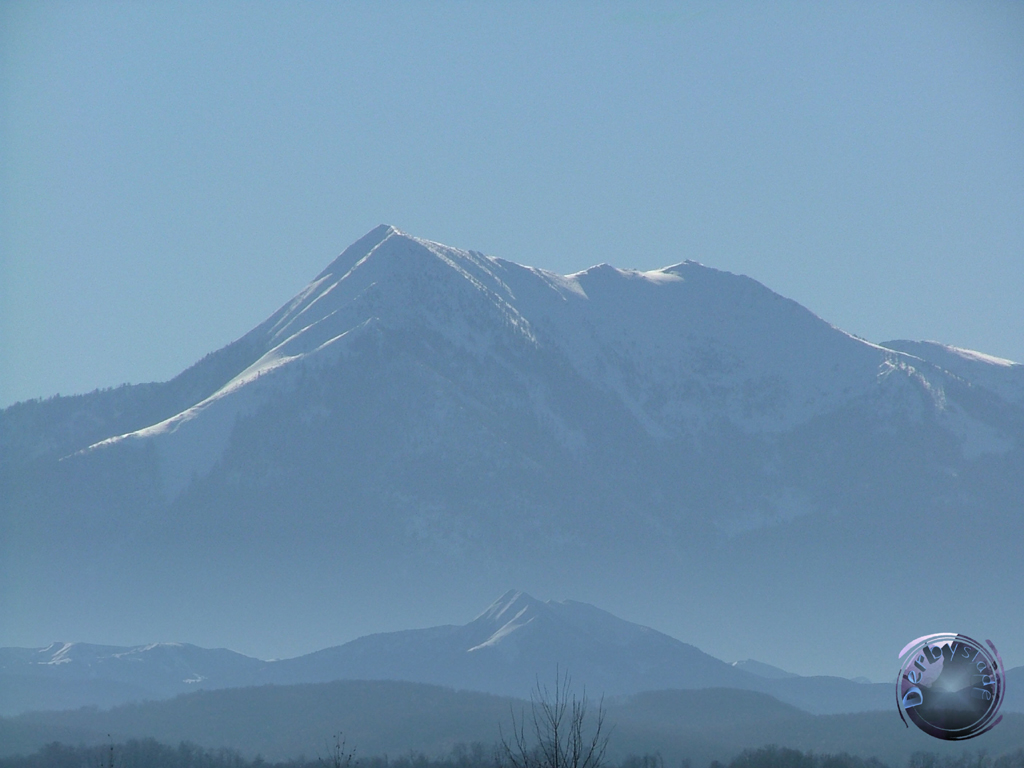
[677, 347]
[422, 425]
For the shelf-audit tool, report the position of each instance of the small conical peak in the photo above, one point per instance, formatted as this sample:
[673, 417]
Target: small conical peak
[385, 242]
[509, 605]
[761, 669]
[381, 231]
[358, 250]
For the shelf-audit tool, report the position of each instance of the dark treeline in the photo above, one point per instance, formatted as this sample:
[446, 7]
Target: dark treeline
[149, 753]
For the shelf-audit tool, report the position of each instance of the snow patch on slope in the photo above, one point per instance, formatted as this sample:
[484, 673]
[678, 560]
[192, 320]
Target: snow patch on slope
[190, 443]
[1002, 377]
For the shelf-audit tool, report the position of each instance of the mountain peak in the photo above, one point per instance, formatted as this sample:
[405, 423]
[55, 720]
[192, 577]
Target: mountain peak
[509, 606]
[348, 258]
[364, 247]
[761, 669]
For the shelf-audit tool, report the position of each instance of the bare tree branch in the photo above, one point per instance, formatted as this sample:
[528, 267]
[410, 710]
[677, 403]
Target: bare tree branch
[558, 727]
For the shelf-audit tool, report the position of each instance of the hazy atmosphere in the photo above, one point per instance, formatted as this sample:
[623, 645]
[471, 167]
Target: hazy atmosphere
[365, 366]
[173, 172]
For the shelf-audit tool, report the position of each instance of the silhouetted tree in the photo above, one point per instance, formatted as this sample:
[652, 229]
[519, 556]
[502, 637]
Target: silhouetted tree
[338, 756]
[557, 725]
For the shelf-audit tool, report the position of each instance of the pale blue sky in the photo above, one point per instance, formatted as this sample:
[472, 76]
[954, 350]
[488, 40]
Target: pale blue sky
[170, 173]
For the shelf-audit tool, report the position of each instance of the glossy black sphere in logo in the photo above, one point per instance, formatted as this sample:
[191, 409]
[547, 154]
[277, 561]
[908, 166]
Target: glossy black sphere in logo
[950, 686]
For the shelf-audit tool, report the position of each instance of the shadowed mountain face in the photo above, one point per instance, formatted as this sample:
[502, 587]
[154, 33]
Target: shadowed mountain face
[421, 426]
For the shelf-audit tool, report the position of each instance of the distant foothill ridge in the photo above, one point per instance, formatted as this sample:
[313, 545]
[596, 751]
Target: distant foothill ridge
[505, 650]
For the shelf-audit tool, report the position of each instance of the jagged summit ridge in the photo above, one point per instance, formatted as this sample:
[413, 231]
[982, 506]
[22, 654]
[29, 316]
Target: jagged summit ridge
[698, 343]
